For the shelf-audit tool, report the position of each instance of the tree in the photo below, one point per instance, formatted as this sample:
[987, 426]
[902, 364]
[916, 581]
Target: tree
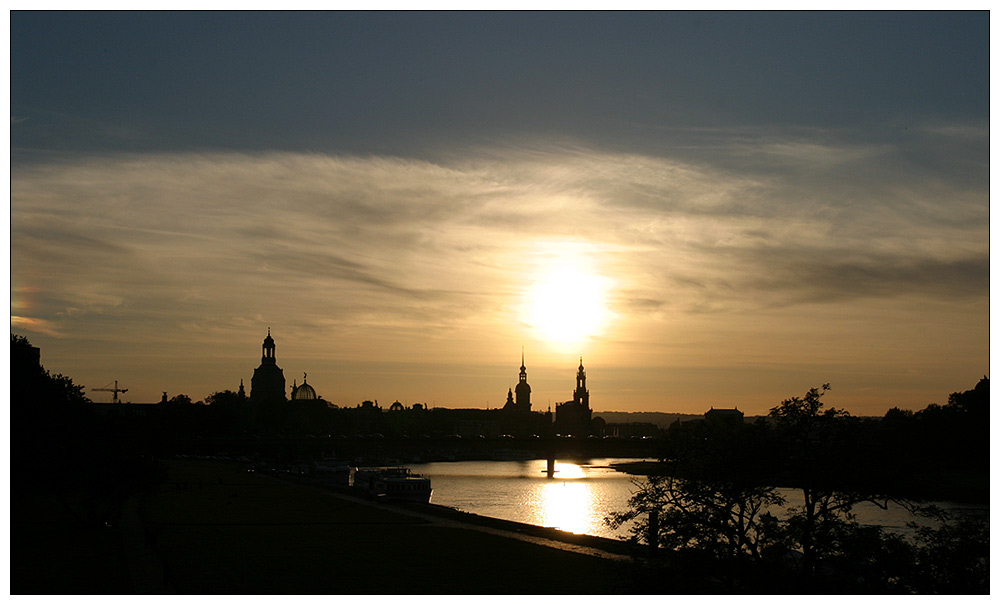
[975, 402]
[718, 510]
[725, 520]
[60, 446]
[953, 554]
[225, 399]
[49, 415]
[710, 498]
[820, 455]
[180, 399]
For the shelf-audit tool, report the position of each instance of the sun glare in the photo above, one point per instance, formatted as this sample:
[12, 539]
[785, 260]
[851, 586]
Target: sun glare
[567, 302]
[567, 506]
[565, 470]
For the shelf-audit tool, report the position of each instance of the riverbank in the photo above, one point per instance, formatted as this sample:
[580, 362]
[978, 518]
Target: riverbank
[219, 530]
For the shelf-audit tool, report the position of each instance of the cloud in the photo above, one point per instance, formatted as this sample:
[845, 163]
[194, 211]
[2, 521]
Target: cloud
[383, 251]
[971, 131]
[34, 324]
[837, 277]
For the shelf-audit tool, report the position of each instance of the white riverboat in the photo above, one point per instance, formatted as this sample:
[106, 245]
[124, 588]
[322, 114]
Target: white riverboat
[393, 483]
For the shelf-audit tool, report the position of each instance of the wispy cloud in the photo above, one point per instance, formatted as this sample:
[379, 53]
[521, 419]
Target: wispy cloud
[422, 233]
[34, 324]
[382, 254]
[959, 130]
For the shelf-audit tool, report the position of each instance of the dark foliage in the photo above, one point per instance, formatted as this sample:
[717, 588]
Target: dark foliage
[59, 446]
[715, 495]
[953, 557]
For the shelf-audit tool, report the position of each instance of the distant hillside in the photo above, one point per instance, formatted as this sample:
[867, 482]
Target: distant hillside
[660, 419]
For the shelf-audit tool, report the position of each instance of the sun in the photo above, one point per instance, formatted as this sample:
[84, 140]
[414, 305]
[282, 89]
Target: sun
[567, 302]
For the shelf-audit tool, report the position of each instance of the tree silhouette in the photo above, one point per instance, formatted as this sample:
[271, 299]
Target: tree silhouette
[718, 519]
[60, 446]
[819, 453]
[954, 556]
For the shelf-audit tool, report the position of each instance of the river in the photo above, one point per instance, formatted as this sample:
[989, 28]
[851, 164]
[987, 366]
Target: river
[577, 497]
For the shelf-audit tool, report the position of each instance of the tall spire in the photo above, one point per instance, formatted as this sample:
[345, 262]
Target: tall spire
[580, 394]
[522, 390]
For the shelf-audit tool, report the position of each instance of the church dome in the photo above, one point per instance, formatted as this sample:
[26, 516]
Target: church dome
[305, 392]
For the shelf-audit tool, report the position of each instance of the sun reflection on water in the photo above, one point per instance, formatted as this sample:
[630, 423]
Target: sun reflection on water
[566, 506]
[564, 470]
[565, 502]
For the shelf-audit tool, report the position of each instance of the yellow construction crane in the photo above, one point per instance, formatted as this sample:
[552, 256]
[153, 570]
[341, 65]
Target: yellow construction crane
[115, 390]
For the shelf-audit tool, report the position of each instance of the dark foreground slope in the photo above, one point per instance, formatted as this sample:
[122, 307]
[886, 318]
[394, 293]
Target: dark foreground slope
[213, 529]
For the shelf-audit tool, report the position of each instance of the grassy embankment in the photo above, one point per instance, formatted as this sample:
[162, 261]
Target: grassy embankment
[218, 530]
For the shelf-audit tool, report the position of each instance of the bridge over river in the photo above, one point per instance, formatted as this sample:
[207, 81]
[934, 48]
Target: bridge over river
[377, 449]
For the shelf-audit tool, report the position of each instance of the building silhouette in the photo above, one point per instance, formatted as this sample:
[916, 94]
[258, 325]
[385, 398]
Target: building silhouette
[268, 382]
[303, 411]
[303, 392]
[732, 415]
[574, 416]
[519, 402]
[581, 395]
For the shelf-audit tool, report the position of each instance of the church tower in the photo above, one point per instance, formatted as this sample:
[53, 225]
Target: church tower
[581, 395]
[575, 417]
[268, 382]
[522, 391]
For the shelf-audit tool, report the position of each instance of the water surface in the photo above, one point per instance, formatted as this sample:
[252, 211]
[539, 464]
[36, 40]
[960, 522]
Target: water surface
[578, 496]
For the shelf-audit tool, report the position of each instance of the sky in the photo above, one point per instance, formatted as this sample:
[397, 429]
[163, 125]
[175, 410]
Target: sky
[712, 209]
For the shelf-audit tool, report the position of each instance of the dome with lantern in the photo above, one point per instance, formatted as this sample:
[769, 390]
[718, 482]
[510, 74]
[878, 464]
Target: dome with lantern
[303, 392]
